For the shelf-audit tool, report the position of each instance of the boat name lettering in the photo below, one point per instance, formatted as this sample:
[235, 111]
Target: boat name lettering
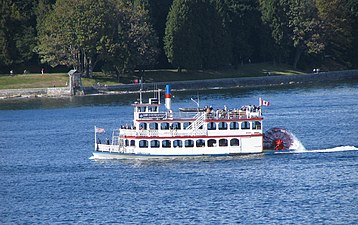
[152, 115]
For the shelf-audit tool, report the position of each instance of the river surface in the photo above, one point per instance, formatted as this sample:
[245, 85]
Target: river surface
[46, 176]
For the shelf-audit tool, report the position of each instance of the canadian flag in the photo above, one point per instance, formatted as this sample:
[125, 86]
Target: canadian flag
[264, 103]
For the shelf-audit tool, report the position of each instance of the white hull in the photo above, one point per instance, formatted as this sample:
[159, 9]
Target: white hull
[115, 155]
[116, 152]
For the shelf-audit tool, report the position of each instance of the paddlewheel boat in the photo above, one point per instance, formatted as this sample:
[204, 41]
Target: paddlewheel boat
[189, 132]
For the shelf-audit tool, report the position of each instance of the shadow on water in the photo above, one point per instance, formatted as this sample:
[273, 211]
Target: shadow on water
[67, 102]
[174, 161]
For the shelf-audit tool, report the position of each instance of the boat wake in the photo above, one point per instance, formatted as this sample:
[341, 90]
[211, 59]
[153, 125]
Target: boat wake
[335, 149]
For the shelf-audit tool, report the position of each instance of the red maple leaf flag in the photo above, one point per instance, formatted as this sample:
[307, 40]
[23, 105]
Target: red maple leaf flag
[264, 103]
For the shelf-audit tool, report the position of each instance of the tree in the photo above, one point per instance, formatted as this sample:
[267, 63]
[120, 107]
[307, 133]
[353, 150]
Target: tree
[274, 14]
[195, 35]
[244, 19]
[295, 28]
[135, 42]
[83, 33]
[337, 31]
[352, 7]
[158, 11]
[17, 32]
[306, 29]
[78, 33]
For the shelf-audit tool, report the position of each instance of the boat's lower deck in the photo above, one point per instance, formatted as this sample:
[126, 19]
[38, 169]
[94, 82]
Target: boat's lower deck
[247, 145]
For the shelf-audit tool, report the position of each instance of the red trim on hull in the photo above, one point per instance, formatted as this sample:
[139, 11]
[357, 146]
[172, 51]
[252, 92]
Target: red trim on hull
[186, 137]
[190, 119]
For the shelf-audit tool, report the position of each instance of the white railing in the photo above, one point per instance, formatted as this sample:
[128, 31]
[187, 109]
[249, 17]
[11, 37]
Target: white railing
[197, 127]
[199, 121]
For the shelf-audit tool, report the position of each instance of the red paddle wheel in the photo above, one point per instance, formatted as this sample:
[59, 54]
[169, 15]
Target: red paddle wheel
[277, 139]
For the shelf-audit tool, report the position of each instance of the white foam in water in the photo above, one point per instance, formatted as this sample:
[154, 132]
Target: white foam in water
[337, 149]
[297, 145]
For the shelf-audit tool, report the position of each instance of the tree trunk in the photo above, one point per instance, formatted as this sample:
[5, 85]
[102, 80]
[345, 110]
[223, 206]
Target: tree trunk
[297, 57]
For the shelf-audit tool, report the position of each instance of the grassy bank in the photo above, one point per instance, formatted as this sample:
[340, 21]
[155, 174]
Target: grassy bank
[61, 79]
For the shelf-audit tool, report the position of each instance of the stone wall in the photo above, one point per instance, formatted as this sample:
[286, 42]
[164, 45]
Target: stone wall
[34, 92]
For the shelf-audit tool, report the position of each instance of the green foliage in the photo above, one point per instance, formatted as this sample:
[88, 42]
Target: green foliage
[275, 14]
[76, 33]
[195, 35]
[17, 32]
[244, 22]
[295, 27]
[124, 35]
[135, 43]
[337, 31]
[352, 7]
[157, 12]
[82, 33]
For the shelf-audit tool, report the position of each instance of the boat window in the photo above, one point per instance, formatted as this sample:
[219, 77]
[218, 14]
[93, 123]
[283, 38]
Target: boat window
[245, 125]
[164, 126]
[142, 126]
[222, 126]
[186, 124]
[132, 142]
[152, 109]
[234, 126]
[177, 143]
[154, 144]
[166, 144]
[126, 142]
[143, 144]
[200, 143]
[211, 143]
[211, 126]
[176, 126]
[256, 125]
[223, 142]
[153, 126]
[234, 142]
[189, 143]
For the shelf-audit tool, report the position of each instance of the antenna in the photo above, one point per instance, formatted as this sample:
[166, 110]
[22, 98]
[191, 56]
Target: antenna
[196, 102]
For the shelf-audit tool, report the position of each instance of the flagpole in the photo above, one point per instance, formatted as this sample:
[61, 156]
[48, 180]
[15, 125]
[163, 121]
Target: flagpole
[95, 136]
[260, 101]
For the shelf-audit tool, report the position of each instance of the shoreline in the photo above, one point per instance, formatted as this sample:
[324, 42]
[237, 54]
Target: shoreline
[241, 82]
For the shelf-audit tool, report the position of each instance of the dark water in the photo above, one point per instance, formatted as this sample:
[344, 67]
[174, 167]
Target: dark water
[46, 175]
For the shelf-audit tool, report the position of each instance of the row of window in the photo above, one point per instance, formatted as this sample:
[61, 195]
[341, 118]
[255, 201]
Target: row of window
[184, 143]
[255, 125]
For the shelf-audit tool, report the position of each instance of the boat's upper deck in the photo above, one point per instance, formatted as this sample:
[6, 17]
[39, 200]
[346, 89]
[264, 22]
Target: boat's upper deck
[150, 113]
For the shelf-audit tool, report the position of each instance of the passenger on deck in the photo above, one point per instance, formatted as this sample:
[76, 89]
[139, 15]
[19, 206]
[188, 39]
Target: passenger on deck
[107, 141]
